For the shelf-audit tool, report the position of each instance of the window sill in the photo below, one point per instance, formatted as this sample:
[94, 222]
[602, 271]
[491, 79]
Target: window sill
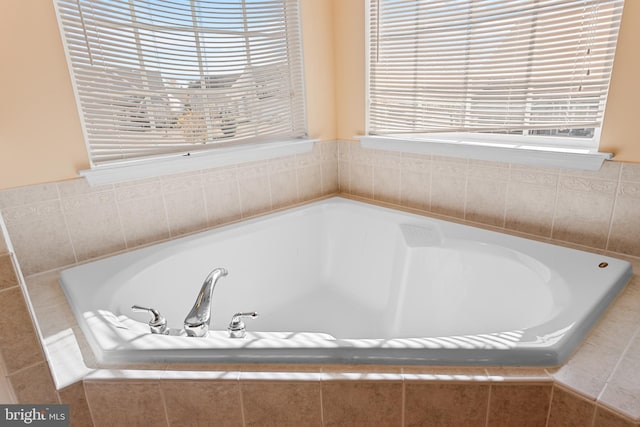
[147, 168]
[565, 157]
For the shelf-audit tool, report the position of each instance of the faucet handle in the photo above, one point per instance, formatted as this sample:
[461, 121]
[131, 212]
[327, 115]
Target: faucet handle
[157, 324]
[236, 326]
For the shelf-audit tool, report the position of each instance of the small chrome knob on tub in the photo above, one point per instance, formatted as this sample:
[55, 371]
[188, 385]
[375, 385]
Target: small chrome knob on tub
[236, 326]
[157, 324]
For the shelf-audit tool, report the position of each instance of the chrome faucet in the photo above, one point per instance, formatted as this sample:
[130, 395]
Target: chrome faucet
[196, 324]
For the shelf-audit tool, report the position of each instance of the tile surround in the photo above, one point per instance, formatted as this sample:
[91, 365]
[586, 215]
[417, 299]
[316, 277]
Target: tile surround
[58, 224]
[442, 404]
[281, 403]
[120, 403]
[184, 403]
[519, 404]
[570, 409]
[598, 210]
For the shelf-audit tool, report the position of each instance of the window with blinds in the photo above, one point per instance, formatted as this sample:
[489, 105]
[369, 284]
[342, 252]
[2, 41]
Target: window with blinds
[514, 67]
[155, 77]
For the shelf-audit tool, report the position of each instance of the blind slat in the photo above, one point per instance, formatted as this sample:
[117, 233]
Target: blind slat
[160, 77]
[486, 65]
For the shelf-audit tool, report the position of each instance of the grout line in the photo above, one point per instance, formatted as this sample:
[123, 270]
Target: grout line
[613, 209]
[321, 385]
[66, 224]
[488, 404]
[164, 206]
[635, 335]
[204, 199]
[86, 399]
[244, 422]
[404, 403]
[117, 205]
[553, 388]
[466, 191]
[593, 416]
[163, 399]
[555, 206]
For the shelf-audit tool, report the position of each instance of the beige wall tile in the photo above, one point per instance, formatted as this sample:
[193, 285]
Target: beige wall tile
[607, 418]
[19, 343]
[255, 195]
[623, 387]
[344, 176]
[121, 403]
[144, 221]
[34, 385]
[630, 172]
[583, 211]
[74, 396]
[530, 208]
[50, 304]
[39, 236]
[222, 201]
[415, 189]
[608, 170]
[94, 224]
[488, 171]
[7, 397]
[8, 278]
[620, 322]
[3, 242]
[386, 184]
[485, 201]
[80, 186]
[361, 180]
[31, 194]
[184, 202]
[362, 403]
[329, 176]
[270, 403]
[202, 403]
[284, 188]
[569, 409]
[625, 228]
[448, 193]
[309, 181]
[344, 149]
[623, 395]
[436, 404]
[519, 405]
[142, 212]
[589, 368]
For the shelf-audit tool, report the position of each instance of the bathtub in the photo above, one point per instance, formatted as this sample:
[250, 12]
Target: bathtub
[340, 281]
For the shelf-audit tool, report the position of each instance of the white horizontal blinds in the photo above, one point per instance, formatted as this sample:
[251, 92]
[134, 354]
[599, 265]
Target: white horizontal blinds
[489, 65]
[157, 77]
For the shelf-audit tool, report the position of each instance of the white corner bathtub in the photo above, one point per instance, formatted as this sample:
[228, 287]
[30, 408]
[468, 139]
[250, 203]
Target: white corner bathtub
[339, 281]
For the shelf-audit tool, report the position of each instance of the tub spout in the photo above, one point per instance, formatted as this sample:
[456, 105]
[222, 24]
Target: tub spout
[196, 324]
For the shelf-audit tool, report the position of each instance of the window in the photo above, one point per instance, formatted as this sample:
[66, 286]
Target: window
[155, 77]
[532, 74]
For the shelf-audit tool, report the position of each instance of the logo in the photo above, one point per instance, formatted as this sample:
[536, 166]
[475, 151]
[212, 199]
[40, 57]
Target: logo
[34, 415]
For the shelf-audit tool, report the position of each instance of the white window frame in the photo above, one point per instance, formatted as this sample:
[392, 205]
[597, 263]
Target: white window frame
[565, 152]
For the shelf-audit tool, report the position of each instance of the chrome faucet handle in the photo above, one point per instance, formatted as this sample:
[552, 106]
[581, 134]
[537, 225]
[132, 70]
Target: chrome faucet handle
[157, 324]
[236, 326]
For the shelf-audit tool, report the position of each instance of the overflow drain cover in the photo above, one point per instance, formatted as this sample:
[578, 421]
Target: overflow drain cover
[603, 264]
